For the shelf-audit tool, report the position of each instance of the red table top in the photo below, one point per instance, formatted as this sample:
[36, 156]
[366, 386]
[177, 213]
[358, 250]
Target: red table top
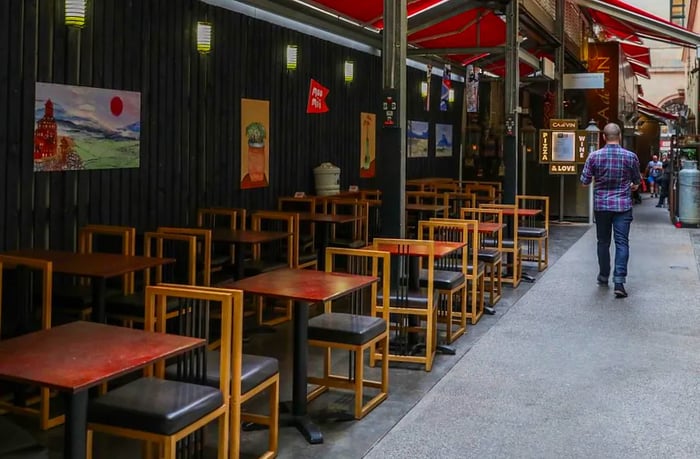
[327, 218]
[522, 212]
[246, 236]
[442, 248]
[92, 264]
[302, 284]
[80, 355]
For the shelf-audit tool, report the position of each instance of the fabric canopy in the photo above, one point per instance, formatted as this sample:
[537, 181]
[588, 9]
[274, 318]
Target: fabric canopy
[639, 69]
[646, 107]
[370, 12]
[637, 53]
[629, 23]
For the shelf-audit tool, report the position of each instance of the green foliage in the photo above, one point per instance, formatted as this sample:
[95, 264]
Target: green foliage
[255, 132]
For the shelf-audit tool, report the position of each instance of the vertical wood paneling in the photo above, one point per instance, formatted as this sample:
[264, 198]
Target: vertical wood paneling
[190, 136]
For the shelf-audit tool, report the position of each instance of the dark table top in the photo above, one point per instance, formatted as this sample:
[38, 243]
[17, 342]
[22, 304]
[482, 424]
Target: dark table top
[246, 236]
[302, 284]
[92, 264]
[80, 355]
[442, 248]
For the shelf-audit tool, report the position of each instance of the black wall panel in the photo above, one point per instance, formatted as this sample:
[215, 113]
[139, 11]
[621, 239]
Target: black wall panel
[190, 131]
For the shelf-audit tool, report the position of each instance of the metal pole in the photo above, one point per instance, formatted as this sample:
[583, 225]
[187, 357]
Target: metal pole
[512, 86]
[559, 62]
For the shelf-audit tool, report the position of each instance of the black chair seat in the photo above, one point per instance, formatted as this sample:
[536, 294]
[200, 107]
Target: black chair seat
[347, 243]
[307, 257]
[17, 443]
[134, 304]
[489, 256]
[220, 259]
[154, 405]
[345, 328]
[442, 280]
[413, 299]
[254, 370]
[506, 244]
[531, 232]
[253, 267]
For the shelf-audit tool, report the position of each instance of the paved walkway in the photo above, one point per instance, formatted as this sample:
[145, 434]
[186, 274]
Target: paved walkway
[570, 371]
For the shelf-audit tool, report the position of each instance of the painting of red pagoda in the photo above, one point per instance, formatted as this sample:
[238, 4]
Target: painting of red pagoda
[78, 128]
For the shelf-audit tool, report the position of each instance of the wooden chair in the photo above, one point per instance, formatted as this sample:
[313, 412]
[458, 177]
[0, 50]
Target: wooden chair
[274, 255]
[485, 193]
[457, 274]
[307, 230]
[458, 200]
[510, 246]
[363, 326]
[162, 412]
[131, 308]
[204, 247]
[534, 230]
[256, 374]
[352, 235]
[23, 302]
[409, 305]
[75, 299]
[490, 249]
[222, 255]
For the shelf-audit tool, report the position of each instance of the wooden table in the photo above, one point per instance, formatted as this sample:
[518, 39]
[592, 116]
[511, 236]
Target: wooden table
[305, 287]
[75, 357]
[97, 266]
[442, 248]
[239, 237]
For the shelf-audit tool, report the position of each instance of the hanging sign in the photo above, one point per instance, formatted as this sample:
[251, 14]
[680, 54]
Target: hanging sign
[562, 146]
[317, 98]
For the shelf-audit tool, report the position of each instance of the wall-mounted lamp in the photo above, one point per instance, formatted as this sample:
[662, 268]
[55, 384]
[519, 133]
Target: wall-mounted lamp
[349, 71]
[292, 57]
[451, 95]
[424, 89]
[203, 37]
[75, 13]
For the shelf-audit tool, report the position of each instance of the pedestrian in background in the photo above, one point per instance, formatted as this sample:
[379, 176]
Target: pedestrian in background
[617, 174]
[653, 172]
[664, 180]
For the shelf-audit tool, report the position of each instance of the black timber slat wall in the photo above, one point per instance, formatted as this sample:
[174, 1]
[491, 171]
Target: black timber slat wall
[190, 131]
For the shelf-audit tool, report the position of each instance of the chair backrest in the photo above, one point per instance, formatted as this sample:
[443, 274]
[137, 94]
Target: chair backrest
[460, 199]
[453, 230]
[110, 239]
[204, 244]
[540, 203]
[196, 304]
[366, 262]
[485, 215]
[357, 230]
[403, 280]
[24, 288]
[510, 218]
[482, 190]
[220, 217]
[270, 220]
[181, 247]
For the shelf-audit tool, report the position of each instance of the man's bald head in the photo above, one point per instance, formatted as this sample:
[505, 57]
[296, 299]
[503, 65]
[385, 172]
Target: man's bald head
[611, 131]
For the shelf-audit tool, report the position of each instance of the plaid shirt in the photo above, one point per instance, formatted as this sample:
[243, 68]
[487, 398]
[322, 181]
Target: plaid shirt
[613, 168]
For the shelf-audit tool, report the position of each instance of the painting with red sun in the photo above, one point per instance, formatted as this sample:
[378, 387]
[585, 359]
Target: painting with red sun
[79, 127]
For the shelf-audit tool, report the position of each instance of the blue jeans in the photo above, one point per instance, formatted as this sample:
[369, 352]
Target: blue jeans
[617, 223]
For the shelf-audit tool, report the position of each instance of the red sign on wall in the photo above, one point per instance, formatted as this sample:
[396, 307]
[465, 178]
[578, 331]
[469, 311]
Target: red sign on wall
[317, 98]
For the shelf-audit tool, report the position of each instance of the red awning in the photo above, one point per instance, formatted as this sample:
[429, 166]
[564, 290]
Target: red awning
[637, 53]
[607, 14]
[639, 69]
[370, 12]
[646, 107]
[473, 28]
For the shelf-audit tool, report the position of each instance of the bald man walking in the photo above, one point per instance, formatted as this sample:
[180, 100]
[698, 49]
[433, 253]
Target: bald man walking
[616, 174]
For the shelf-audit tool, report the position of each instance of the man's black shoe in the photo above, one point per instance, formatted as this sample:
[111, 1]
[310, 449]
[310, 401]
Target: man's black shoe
[659, 205]
[620, 291]
[602, 280]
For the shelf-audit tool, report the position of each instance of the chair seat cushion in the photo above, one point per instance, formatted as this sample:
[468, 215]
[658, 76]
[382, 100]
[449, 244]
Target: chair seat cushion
[442, 280]
[531, 232]
[307, 257]
[506, 244]
[134, 304]
[154, 405]
[254, 370]
[347, 243]
[220, 259]
[17, 443]
[412, 299]
[253, 267]
[345, 328]
[489, 256]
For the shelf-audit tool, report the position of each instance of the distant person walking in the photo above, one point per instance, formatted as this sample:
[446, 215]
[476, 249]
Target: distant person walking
[654, 171]
[665, 180]
[616, 174]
